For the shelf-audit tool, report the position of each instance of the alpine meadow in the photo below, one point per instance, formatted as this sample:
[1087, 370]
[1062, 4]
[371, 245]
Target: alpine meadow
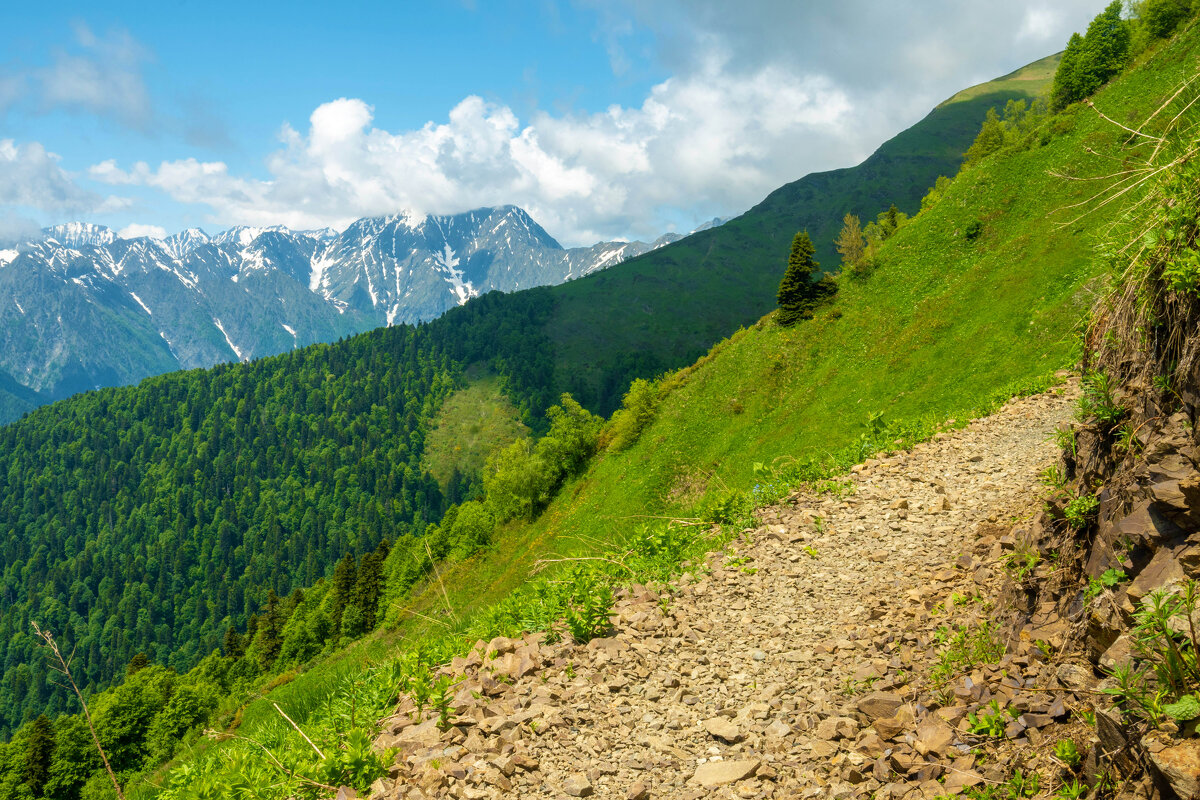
[886, 487]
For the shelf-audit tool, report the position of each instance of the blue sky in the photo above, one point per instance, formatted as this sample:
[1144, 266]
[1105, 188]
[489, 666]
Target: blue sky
[603, 119]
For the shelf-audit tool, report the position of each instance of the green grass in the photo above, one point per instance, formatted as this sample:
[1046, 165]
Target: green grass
[941, 329]
[944, 327]
[472, 423]
[665, 309]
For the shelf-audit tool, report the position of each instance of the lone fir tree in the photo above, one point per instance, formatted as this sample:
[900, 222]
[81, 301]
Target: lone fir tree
[797, 292]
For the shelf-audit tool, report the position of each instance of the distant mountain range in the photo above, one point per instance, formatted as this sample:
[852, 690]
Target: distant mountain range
[82, 308]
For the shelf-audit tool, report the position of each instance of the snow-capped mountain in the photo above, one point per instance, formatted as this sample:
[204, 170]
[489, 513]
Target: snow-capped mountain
[82, 308]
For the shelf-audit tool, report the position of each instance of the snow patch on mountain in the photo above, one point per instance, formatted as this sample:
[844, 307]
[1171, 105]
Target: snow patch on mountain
[228, 341]
[447, 261]
[8, 256]
[145, 307]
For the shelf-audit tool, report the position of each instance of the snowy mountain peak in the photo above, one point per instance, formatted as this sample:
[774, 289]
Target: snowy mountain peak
[123, 309]
[79, 234]
[243, 235]
[181, 244]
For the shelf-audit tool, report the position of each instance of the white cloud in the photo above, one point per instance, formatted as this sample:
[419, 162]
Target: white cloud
[1040, 24]
[30, 177]
[104, 78]
[707, 142]
[763, 92]
[136, 230]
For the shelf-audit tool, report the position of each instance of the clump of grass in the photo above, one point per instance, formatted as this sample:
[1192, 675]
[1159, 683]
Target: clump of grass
[965, 647]
[1097, 401]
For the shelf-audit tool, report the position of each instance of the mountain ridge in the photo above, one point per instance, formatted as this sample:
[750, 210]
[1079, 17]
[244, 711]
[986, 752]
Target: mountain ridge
[90, 308]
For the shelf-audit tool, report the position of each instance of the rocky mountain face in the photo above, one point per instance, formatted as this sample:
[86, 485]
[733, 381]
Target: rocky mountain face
[83, 308]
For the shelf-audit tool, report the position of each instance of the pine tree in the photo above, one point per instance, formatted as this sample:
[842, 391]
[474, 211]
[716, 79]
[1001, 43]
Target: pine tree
[344, 578]
[796, 291]
[39, 751]
[271, 631]
[139, 662]
[234, 645]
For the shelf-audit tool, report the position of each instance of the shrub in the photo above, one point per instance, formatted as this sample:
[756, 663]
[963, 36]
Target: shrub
[1162, 17]
[638, 410]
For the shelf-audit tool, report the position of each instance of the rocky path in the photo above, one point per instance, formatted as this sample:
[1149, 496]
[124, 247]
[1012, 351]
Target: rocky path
[786, 670]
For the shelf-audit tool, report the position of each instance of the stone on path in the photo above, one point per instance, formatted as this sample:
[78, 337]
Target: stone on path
[719, 773]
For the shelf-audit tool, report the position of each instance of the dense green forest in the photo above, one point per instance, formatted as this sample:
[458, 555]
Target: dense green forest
[153, 519]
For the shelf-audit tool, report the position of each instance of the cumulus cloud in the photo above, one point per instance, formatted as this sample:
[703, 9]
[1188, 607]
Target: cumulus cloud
[707, 141]
[136, 230]
[763, 92]
[31, 177]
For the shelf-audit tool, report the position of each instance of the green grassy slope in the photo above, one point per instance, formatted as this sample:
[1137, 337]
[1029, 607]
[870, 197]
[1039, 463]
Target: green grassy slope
[664, 309]
[472, 423]
[937, 331]
[941, 327]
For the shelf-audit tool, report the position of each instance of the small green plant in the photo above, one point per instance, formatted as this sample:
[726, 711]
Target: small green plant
[1097, 401]
[1134, 693]
[1019, 785]
[965, 647]
[1067, 752]
[1079, 512]
[1072, 790]
[810, 550]
[1021, 562]
[992, 720]
[851, 687]
[1108, 579]
[1185, 709]
[441, 695]
[1166, 679]
[1053, 477]
[1064, 439]
[1127, 440]
[587, 612]
[419, 688]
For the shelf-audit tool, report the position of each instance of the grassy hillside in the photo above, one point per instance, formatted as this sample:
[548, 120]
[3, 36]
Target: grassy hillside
[943, 326]
[979, 294]
[472, 423]
[664, 309]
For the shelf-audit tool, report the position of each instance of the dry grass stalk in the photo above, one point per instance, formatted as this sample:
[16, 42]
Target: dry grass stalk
[62, 666]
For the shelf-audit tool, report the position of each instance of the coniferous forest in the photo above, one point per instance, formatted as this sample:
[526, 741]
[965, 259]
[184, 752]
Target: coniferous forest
[155, 519]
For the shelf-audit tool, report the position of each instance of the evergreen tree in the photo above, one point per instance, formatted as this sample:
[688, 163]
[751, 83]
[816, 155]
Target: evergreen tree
[234, 645]
[139, 662]
[270, 631]
[39, 752]
[368, 586]
[796, 291]
[344, 579]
